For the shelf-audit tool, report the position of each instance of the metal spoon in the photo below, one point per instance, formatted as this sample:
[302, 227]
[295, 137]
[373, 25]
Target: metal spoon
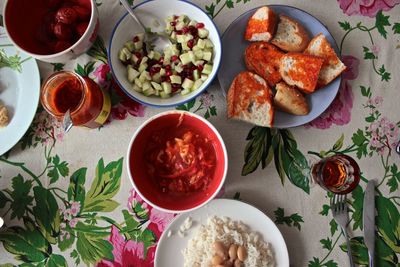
[158, 41]
[67, 121]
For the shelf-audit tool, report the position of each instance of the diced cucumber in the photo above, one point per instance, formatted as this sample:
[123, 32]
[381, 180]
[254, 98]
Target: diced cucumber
[197, 84]
[188, 37]
[166, 87]
[169, 28]
[134, 59]
[199, 62]
[164, 95]
[151, 54]
[185, 58]
[174, 36]
[156, 86]
[142, 67]
[198, 54]
[180, 38]
[175, 79]
[179, 67]
[207, 56]
[209, 44]
[140, 36]
[144, 60]
[146, 86]
[204, 77]
[162, 72]
[197, 48]
[187, 84]
[207, 69]
[130, 45]
[179, 26]
[196, 75]
[157, 93]
[138, 82]
[169, 19]
[192, 23]
[157, 55]
[183, 18]
[185, 47]
[174, 50]
[149, 92]
[192, 57]
[132, 73]
[136, 88]
[124, 54]
[203, 33]
[138, 45]
[157, 77]
[185, 91]
[144, 76]
[201, 43]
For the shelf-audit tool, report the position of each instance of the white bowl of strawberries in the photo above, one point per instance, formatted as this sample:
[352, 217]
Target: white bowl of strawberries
[53, 30]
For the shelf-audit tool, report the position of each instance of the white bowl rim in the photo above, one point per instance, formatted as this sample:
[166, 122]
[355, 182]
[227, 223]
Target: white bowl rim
[186, 113]
[211, 79]
[44, 57]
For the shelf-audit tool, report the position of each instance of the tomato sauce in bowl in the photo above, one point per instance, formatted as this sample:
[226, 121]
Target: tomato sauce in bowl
[177, 161]
[181, 160]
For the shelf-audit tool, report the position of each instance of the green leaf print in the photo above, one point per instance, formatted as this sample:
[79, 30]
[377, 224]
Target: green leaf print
[359, 140]
[338, 144]
[56, 261]
[388, 222]
[330, 263]
[27, 245]
[76, 189]
[58, 168]
[381, 22]
[105, 186]
[368, 54]
[229, 4]
[357, 205]
[345, 25]
[326, 243]
[258, 149]
[366, 91]
[314, 262]
[188, 106]
[67, 241]
[292, 220]
[46, 213]
[86, 70]
[333, 226]
[20, 196]
[396, 28]
[3, 200]
[395, 179]
[91, 245]
[58, 66]
[98, 50]
[325, 210]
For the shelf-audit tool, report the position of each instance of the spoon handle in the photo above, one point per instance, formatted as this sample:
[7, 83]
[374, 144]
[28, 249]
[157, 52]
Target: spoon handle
[129, 9]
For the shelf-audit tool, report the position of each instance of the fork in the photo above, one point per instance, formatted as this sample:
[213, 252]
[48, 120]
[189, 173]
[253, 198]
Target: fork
[339, 212]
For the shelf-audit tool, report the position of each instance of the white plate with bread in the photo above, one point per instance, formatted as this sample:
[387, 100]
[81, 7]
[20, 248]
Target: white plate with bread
[280, 68]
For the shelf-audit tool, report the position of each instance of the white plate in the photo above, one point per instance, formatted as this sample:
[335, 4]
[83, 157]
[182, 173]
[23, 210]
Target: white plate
[169, 249]
[19, 92]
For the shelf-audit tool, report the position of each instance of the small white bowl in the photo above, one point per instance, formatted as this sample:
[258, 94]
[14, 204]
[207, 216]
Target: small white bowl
[149, 12]
[79, 47]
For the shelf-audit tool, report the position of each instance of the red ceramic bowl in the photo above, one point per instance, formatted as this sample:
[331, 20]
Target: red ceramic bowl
[148, 189]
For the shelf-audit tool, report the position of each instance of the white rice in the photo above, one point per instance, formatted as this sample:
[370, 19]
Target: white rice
[199, 251]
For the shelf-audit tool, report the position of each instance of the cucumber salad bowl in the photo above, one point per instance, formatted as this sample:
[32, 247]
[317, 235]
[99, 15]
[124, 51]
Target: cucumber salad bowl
[178, 73]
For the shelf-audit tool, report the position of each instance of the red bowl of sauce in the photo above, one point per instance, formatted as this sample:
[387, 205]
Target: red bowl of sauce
[177, 161]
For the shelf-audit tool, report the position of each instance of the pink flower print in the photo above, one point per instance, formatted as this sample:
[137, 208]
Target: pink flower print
[75, 208]
[384, 135]
[161, 219]
[375, 50]
[102, 73]
[126, 253]
[206, 99]
[135, 198]
[72, 223]
[339, 112]
[366, 7]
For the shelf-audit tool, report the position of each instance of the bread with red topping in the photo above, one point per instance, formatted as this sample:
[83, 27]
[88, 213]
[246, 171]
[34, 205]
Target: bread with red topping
[290, 35]
[262, 25]
[301, 70]
[250, 99]
[264, 59]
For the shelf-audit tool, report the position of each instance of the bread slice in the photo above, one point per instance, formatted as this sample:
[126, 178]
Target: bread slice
[301, 70]
[250, 99]
[332, 66]
[290, 100]
[290, 35]
[262, 25]
[264, 59]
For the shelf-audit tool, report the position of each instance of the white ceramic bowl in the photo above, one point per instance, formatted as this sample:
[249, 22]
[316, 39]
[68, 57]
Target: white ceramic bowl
[79, 47]
[148, 12]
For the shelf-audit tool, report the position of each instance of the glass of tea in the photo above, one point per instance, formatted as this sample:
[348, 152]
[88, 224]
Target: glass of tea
[339, 174]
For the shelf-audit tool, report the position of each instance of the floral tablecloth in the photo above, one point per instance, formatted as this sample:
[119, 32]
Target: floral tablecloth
[67, 200]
